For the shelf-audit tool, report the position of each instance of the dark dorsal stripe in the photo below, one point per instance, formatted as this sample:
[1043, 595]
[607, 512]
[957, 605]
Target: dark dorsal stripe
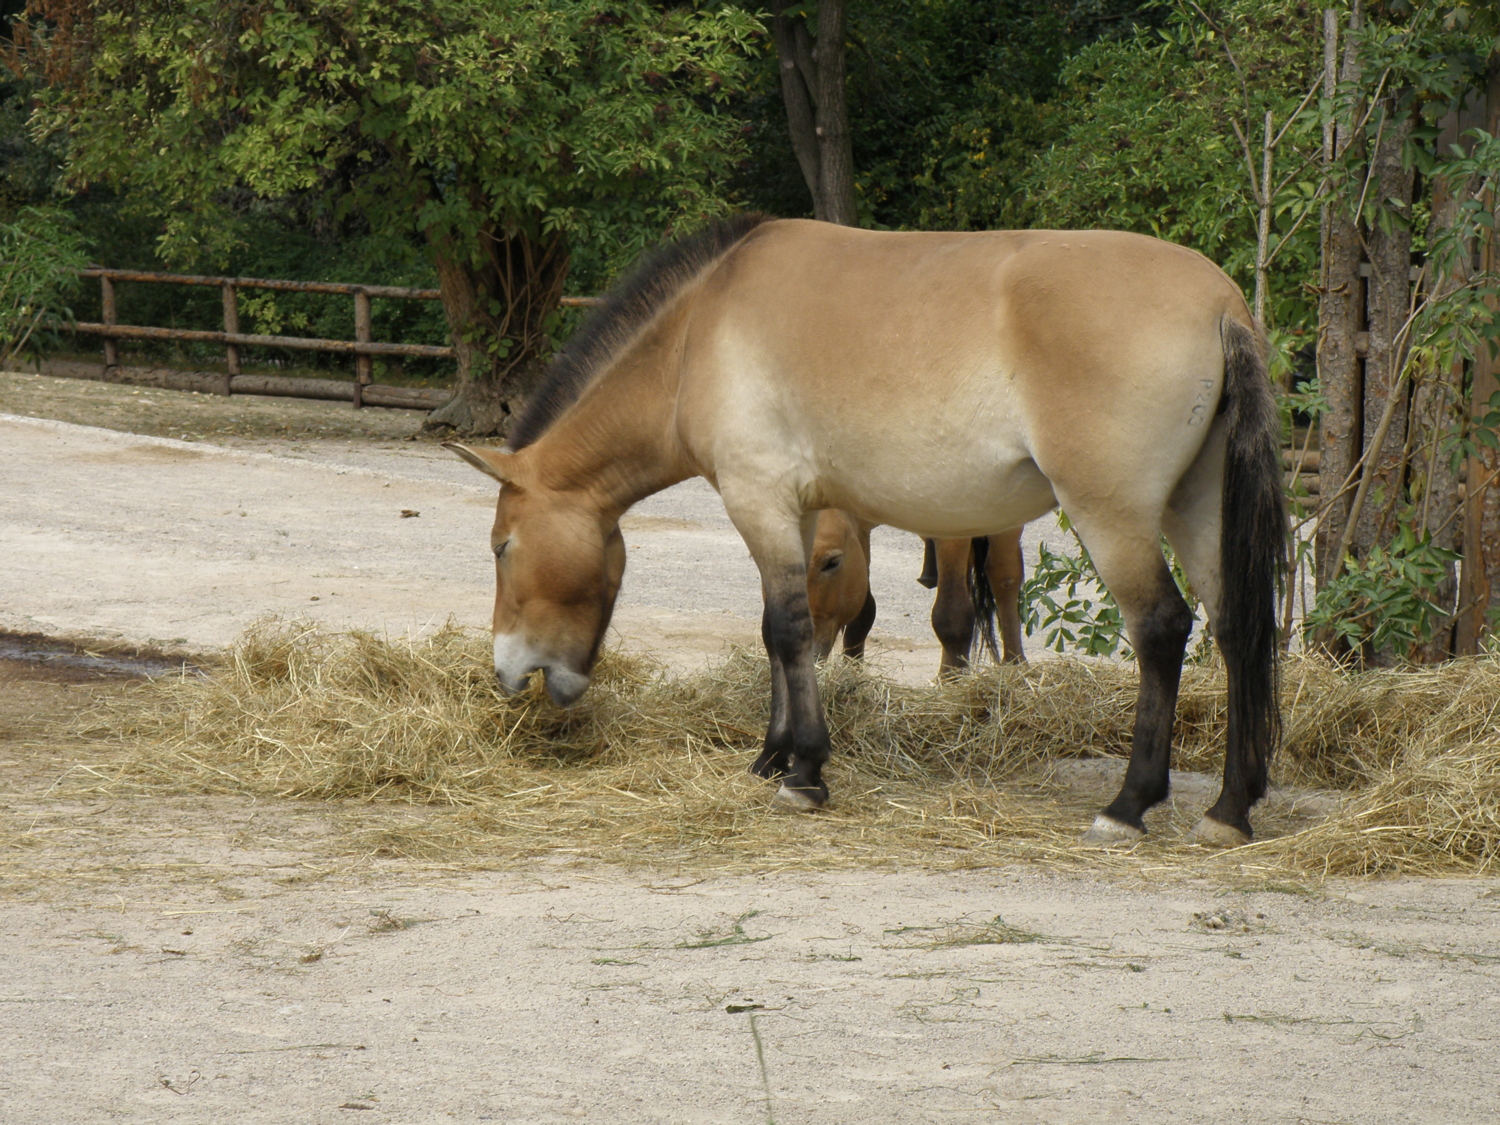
[628, 305]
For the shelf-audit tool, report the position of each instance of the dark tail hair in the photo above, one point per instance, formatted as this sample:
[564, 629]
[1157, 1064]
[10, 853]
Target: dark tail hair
[982, 597]
[1252, 560]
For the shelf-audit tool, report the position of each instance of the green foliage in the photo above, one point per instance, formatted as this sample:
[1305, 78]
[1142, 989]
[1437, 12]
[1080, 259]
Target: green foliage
[40, 254]
[1383, 602]
[28, 171]
[948, 101]
[596, 120]
[1064, 596]
[1152, 128]
[944, 98]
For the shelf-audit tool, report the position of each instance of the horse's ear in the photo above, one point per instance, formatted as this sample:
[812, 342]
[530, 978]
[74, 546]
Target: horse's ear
[491, 462]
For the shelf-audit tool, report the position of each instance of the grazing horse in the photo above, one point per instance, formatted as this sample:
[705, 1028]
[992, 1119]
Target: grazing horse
[838, 584]
[954, 385]
[976, 580]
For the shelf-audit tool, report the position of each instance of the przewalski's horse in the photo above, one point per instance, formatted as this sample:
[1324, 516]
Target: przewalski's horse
[954, 385]
[976, 581]
[839, 599]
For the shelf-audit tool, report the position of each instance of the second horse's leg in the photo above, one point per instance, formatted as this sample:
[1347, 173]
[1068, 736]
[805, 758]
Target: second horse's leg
[953, 609]
[1005, 567]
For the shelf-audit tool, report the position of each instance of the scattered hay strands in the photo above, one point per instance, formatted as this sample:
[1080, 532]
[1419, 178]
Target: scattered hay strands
[650, 766]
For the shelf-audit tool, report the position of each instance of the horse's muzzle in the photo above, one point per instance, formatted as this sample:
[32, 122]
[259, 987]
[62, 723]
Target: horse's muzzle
[515, 661]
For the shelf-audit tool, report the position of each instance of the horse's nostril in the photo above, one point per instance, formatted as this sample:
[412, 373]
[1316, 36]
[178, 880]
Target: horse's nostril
[565, 685]
[513, 684]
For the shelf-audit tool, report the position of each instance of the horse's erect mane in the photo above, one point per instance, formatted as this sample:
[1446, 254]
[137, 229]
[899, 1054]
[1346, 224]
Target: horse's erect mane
[627, 307]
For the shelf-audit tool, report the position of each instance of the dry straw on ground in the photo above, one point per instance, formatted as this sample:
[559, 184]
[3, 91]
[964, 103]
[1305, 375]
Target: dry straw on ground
[652, 766]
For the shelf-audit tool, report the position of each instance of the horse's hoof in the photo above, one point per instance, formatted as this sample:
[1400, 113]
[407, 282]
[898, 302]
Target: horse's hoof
[1107, 831]
[800, 800]
[1217, 834]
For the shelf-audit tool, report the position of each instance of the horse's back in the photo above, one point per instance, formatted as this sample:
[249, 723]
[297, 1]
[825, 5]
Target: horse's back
[885, 368]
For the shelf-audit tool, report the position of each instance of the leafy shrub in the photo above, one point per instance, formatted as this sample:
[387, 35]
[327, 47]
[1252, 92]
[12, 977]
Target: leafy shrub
[40, 254]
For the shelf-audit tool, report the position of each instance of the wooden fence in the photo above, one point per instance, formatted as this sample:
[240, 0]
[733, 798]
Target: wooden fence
[361, 391]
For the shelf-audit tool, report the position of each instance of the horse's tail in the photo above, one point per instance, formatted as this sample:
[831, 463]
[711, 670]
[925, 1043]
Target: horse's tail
[982, 596]
[1252, 558]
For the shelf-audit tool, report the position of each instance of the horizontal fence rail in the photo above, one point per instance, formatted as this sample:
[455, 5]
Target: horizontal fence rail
[342, 287]
[362, 347]
[301, 343]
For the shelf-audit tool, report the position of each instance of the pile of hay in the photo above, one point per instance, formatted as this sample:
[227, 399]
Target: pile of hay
[653, 765]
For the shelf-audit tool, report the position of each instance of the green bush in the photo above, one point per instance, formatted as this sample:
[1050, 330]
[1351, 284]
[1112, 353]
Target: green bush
[40, 254]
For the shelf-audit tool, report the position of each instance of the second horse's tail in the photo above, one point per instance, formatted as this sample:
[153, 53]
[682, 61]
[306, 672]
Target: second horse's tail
[982, 596]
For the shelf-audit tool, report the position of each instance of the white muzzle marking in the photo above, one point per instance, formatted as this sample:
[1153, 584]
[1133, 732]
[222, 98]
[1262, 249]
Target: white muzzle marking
[516, 658]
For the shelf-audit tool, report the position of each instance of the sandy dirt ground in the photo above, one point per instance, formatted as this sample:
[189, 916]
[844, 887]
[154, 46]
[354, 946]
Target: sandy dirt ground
[195, 959]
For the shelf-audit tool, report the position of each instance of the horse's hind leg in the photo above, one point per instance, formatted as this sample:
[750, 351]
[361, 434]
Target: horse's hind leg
[1158, 622]
[1192, 524]
[1005, 567]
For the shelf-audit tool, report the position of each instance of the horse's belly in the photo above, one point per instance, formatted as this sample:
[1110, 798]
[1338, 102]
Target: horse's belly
[943, 497]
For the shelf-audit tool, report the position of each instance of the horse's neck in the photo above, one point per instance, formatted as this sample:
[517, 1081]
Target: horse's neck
[618, 442]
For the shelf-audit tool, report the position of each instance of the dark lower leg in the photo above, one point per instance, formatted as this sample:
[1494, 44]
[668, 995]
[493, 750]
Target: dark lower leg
[929, 575]
[775, 758]
[1247, 749]
[1160, 640]
[804, 747]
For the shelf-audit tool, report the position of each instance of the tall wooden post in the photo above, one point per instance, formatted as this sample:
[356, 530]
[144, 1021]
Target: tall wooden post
[363, 363]
[231, 351]
[107, 312]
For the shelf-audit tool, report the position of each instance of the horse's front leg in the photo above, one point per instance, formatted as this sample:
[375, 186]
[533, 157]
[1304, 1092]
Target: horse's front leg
[775, 761]
[798, 734]
[797, 741]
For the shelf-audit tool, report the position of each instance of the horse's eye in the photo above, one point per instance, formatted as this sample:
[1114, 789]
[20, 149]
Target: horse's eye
[832, 564]
[500, 550]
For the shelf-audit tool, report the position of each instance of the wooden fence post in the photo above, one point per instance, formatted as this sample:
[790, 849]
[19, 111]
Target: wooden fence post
[363, 363]
[111, 349]
[231, 324]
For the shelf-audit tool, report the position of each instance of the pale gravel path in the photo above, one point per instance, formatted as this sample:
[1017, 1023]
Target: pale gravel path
[573, 993]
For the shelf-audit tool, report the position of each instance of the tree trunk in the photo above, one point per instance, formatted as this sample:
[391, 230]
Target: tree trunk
[1440, 403]
[498, 302]
[812, 88]
[1479, 581]
[1437, 398]
[1389, 304]
[1340, 372]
